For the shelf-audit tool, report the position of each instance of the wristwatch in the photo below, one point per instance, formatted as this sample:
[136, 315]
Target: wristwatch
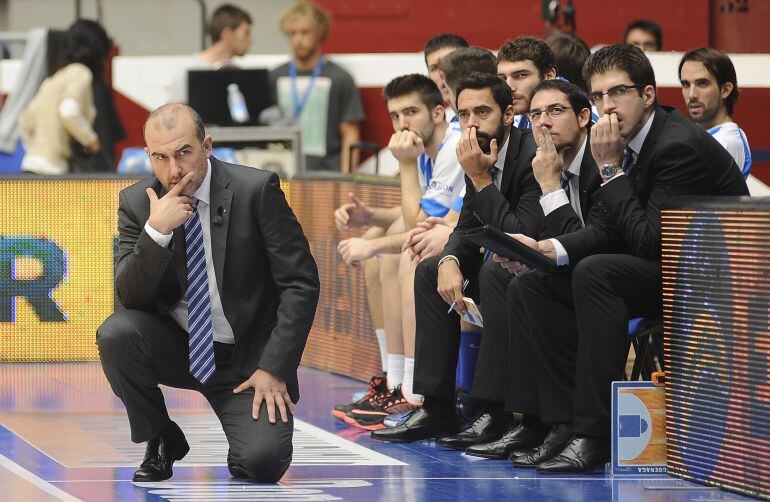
[607, 171]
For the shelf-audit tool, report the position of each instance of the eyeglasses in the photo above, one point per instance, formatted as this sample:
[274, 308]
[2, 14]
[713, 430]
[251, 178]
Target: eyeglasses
[551, 112]
[615, 93]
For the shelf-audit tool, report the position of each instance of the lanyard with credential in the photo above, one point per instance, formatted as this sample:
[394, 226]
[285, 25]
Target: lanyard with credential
[300, 105]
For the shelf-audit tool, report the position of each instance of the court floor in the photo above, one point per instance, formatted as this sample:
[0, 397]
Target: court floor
[64, 436]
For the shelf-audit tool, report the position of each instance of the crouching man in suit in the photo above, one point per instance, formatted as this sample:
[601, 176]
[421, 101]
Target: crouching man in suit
[220, 290]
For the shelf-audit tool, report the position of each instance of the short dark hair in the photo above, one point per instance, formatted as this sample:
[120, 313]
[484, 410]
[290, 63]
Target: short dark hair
[718, 64]
[570, 52]
[528, 48]
[650, 27]
[465, 61]
[226, 16]
[414, 82]
[578, 99]
[500, 90]
[443, 40]
[624, 57]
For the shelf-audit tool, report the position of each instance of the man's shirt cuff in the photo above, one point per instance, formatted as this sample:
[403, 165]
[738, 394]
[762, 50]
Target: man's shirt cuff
[553, 201]
[449, 257]
[562, 258]
[162, 239]
[621, 173]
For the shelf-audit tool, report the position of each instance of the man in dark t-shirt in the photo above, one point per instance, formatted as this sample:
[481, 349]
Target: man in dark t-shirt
[317, 93]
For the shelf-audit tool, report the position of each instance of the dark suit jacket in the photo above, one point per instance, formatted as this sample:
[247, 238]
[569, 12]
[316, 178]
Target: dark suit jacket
[514, 208]
[564, 219]
[266, 276]
[677, 158]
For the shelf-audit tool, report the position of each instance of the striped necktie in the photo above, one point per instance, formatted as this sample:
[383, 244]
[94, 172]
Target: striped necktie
[524, 122]
[565, 177]
[628, 160]
[201, 329]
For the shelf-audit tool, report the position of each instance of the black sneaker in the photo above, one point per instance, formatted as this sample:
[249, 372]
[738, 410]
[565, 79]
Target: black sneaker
[377, 386]
[371, 416]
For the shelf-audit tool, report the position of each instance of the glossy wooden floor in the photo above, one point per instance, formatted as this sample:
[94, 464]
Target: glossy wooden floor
[64, 436]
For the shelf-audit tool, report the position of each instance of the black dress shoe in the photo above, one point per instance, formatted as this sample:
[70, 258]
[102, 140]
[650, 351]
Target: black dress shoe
[559, 436]
[421, 424]
[161, 453]
[517, 437]
[484, 429]
[581, 455]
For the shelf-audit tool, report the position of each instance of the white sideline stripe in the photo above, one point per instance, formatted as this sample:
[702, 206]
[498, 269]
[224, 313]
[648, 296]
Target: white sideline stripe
[313, 446]
[38, 482]
[33, 445]
[349, 446]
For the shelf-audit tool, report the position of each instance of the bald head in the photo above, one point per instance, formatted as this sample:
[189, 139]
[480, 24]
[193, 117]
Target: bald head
[177, 145]
[171, 115]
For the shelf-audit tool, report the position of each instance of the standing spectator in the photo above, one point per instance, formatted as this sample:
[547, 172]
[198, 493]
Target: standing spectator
[317, 93]
[230, 32]
[63, 109]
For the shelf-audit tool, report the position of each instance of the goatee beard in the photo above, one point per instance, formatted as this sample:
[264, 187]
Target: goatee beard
[486, 144]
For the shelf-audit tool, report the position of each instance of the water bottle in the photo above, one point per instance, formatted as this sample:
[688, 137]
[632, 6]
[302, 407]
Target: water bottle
[237, 104]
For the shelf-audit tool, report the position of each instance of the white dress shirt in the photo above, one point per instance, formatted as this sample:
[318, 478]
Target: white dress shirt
[562, 258]
[222, 331]
[554, 200]
[500, 164]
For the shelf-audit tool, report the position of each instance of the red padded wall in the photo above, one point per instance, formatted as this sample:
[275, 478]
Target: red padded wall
[404, 26]
[740, 25]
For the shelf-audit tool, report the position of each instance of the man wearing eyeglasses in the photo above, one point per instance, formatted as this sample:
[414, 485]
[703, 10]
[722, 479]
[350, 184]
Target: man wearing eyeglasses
[574, 326]
[566, 172]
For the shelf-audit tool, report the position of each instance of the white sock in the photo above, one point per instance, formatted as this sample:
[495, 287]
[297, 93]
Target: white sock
[407, 388]
[395, 370]
[382, 341]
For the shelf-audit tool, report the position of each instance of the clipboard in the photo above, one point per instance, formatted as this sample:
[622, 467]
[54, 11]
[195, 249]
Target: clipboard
[505, 245]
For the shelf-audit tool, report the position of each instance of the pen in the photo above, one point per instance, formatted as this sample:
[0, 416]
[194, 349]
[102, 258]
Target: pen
[465, 284]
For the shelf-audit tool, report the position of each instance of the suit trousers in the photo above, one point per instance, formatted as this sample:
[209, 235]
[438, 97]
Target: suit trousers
[569, 337]
[437, 341]
[140, 350]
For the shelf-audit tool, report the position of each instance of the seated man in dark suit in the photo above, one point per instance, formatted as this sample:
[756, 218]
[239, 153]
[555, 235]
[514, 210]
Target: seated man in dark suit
[572, 327]
[220, 290]
[567, 177]
[507, 200]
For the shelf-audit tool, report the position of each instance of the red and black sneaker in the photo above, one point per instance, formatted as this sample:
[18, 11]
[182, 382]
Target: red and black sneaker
[378, 386]
[372, 414]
